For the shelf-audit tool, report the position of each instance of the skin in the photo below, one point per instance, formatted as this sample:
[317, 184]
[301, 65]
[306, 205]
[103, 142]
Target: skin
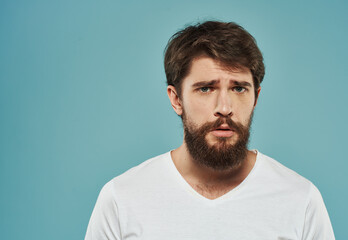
[210, 91]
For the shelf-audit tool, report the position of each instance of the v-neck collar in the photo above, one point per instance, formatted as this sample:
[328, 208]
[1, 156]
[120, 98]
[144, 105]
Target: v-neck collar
[200, 197]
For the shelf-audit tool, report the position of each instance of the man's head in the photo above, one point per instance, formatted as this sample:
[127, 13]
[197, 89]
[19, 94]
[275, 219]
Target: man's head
[214, 71]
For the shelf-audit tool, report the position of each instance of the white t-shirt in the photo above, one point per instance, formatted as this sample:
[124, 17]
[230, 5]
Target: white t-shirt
[152, 201]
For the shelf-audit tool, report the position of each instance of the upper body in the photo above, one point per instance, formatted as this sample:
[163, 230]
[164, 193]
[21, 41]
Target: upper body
[153, 201]
[214, 71]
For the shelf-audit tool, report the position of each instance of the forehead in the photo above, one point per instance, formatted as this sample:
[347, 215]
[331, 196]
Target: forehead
[204, 68]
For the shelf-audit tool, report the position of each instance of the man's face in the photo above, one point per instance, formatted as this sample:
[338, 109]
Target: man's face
[216, 108]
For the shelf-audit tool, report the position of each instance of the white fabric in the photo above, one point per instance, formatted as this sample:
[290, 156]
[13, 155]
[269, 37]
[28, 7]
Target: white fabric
[152, 201]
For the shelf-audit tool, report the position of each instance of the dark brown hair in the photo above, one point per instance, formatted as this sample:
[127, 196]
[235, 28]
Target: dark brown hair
[226, 42]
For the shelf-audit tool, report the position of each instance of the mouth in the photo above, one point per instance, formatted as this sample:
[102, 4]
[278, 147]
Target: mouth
[223, 127]
[223, 131]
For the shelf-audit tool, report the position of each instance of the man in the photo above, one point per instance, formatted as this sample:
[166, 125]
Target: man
[212, 186]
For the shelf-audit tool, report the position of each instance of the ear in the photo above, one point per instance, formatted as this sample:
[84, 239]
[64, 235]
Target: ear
[257, 96]
[174, 99]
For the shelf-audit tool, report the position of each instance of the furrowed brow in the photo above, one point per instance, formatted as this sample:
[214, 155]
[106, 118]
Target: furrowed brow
[204, 83]
[241, 83]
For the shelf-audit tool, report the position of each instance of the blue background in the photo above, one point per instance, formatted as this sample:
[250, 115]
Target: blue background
[83, 99]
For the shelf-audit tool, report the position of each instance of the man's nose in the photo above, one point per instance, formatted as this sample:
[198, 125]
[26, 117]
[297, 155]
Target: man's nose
[223, 105]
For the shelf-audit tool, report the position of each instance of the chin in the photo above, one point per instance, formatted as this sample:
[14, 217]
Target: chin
[222, 145]
[222, 141]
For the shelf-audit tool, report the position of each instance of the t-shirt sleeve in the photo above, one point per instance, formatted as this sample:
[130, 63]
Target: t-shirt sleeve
[317, 223]
[104, 222]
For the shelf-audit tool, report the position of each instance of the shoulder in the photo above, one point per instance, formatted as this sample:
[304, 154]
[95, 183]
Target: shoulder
[149, 167]
[276, 174]
[143, 176]
[298, 194]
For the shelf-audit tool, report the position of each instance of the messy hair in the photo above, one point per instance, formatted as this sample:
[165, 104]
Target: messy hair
[225, 42]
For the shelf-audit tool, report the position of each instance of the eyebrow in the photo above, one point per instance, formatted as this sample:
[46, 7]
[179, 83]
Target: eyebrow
[213, 82]
[204, 83]
[242, 83]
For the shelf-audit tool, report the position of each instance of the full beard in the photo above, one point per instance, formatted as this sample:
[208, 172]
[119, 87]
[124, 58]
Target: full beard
[222, 155]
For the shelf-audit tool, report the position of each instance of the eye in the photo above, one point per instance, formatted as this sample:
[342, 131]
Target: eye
[239, 89]
[205, 89]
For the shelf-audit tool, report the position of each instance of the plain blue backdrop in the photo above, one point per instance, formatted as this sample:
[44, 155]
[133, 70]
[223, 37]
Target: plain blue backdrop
[83, 99]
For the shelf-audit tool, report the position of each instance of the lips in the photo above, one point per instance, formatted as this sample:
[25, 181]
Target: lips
[223, 131]
[223, 127]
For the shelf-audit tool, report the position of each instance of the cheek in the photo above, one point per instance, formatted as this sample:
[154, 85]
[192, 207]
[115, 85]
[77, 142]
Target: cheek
[244, 112]
[197, 111]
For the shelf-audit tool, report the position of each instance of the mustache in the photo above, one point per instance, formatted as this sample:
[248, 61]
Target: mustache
[207, 127]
